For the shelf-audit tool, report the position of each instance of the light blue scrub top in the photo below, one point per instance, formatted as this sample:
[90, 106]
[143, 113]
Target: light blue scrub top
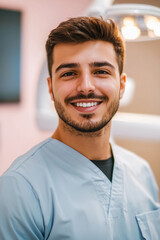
[55, 193]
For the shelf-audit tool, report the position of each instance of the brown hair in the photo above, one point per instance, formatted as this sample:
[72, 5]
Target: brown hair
[82, 29]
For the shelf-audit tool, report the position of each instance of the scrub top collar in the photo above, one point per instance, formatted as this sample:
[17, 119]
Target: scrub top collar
[111, 193]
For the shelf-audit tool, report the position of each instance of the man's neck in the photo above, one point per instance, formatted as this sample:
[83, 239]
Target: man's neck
[94, 146]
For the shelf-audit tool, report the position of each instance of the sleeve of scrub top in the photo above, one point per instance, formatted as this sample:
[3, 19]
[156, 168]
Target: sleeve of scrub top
[20, 214]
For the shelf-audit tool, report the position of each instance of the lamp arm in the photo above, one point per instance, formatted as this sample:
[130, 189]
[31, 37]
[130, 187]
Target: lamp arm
[98, 7]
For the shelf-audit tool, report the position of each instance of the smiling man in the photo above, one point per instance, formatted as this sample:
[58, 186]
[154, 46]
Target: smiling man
[76, 185]
[86, 84]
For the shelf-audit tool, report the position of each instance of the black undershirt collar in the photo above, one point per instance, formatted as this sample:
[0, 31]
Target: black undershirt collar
[106, 166]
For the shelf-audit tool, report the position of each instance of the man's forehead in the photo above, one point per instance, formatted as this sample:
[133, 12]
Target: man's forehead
[90, 51]
[85, 43]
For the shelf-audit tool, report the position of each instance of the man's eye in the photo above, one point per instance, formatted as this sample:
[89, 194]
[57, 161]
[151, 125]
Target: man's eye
[67, 74]
[101, 72]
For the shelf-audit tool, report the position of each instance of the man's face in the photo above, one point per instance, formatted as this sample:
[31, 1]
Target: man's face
[86, 86]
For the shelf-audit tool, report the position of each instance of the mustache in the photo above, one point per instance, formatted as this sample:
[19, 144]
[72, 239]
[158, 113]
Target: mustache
[83, 96]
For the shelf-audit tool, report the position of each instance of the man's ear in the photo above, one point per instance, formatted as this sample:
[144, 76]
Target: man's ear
[49, 81]
[122, 84]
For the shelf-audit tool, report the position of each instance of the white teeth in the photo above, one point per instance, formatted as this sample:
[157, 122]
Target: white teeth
[89, 104]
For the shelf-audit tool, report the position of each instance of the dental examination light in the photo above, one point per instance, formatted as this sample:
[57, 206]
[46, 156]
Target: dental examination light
[137, 22]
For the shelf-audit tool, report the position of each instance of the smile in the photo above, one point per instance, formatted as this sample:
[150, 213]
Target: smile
[86, 104]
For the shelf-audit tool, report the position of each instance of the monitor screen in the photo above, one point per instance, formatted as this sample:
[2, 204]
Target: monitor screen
[10, 39]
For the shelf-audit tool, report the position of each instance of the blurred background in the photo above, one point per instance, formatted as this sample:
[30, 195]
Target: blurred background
[27, 115]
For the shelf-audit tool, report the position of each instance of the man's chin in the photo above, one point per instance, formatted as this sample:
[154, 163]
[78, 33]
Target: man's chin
[87, 127]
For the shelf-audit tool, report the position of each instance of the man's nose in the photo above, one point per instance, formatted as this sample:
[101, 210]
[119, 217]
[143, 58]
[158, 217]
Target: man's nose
[86, 84]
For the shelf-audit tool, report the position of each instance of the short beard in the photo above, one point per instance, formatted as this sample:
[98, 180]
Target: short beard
[88, 126]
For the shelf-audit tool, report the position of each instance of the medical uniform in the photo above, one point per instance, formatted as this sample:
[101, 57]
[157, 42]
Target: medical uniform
[55, 193]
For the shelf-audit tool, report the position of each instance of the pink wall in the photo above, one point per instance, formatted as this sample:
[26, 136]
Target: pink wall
[18, 129]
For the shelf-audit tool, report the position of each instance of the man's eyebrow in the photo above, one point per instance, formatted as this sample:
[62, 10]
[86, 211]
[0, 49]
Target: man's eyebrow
[67, 65]
[101, 64]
